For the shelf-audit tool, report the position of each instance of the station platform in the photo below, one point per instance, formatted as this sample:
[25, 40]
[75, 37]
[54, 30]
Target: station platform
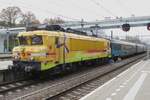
[5, 55]
[5, 60]
[132, 84]
[4, 64]
[5, 74]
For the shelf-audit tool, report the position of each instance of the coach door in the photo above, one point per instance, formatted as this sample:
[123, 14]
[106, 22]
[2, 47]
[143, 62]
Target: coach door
[62, 49]
[57, 49]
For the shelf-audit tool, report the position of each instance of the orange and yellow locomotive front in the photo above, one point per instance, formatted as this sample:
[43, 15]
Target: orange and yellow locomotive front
[35, 51]
[44, 50]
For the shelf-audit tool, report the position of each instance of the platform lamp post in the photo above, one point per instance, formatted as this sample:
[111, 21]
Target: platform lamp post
[96, 30]
[8, 33]
[148, 51]
[82, 24]
[111, 37]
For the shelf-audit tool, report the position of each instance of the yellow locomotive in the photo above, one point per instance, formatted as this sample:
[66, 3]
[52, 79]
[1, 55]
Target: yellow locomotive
[45, 50]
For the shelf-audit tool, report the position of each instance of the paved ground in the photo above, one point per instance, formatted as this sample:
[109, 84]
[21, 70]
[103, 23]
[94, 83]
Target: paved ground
[133, 84]
[5, 55]
[4, 61]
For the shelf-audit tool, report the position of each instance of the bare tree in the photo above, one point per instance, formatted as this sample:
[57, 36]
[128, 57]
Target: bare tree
[10, 15]
[3, 24]
[56, 20]
[29, 18]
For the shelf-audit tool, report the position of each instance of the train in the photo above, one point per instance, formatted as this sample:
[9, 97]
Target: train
[123, 49]
[51, 50]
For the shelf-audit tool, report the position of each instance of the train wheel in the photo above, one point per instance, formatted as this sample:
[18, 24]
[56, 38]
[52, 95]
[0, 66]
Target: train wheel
[119, 59]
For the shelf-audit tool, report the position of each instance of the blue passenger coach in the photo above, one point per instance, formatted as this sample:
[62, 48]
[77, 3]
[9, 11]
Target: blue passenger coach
[121, 49]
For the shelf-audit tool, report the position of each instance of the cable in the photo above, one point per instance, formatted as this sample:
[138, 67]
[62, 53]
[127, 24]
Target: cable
[86, 9]
[101, 6]
[47, 11]
[123, 6]
[60, 15]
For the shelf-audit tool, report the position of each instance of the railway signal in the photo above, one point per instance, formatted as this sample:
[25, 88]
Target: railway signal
[148, 26]
[126, 27]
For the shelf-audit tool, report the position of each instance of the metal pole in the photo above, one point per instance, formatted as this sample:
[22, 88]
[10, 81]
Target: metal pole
[96, 31]
[82, 23]
[147, 52]
[7, 40]
[111, 34]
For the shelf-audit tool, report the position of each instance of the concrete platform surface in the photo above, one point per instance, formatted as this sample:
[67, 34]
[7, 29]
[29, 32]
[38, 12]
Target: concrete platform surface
[132, 84]
[4, 64]
[5, 55]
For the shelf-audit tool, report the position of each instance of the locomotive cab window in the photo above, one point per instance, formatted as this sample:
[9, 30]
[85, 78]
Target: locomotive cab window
[36, 40]
[23, 40]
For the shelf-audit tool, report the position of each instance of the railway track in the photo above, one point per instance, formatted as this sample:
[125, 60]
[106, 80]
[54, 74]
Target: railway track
[12, 86]
[57, 88]
[79, 91]
[17, 85]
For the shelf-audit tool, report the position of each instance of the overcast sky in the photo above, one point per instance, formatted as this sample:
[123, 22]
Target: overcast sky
[77, 9]
[89, 10]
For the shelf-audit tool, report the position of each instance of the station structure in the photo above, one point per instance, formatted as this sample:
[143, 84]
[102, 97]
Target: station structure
[124, 23]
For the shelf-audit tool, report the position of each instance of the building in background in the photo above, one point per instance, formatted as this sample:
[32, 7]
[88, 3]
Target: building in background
[8, 38]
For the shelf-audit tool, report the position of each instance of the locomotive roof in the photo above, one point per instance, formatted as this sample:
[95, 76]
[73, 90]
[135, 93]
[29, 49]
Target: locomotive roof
[60, 34]
[122, 42]
[127, 43]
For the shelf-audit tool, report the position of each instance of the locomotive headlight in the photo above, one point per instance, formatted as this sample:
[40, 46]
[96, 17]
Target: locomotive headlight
[31, 58]
[16, 57]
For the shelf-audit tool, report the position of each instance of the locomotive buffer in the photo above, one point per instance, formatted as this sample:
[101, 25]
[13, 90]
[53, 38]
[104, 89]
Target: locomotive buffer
[133, 84]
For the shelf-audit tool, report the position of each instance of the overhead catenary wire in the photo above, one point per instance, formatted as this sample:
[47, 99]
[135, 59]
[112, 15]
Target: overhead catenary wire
[124, 7]
[60, 15]
[86, 9]
[29, 6]
[104, 8]
[67, 17]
